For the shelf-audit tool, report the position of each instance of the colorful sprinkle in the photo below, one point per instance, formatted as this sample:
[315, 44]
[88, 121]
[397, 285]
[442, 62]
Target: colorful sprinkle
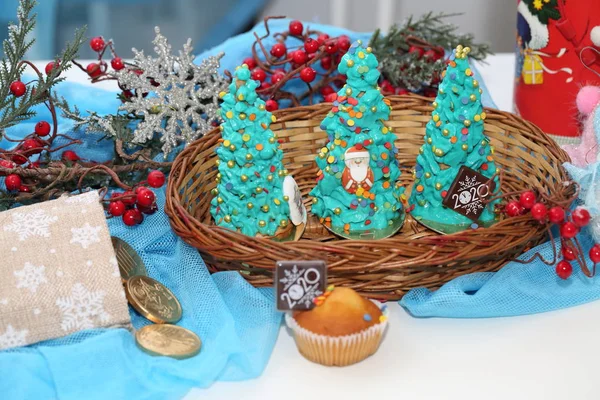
[259, 147]
[474, 226]
[382, 318]
[420, 188]
[245, 137]
[252, 117]
[484, 166]
[229, 114]
[350, 122]
[367, 317]
[453, 139]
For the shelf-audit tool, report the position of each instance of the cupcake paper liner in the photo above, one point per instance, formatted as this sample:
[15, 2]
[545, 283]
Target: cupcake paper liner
[336, 350]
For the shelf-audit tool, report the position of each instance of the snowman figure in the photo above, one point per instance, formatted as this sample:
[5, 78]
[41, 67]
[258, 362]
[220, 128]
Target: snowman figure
[357, 172]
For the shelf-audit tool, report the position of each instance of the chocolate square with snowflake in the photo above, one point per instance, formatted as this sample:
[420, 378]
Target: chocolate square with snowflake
[298, 283]
[468, 192]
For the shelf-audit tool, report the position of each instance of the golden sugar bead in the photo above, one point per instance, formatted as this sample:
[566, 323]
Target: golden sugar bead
[480, 91]
[337, 211]
[227, 218]
[218, 180]
[438, 186]
[436, 118]
[271, 140]
[359, 42]
[434, 104]
[221, 127]
[230, 164]
[375, 208]
[314, 200]
[283, 223]
[282, 172]
[350, 63]
[465, 147]
[473, 97]
[477, 118]
[441, 91]
[427, 174]
[269, 177]
[248, 156]
[222, 94]
[242, 116]
[373, 109]
[244, 178]
[445, 132]
[429, 140]
[433, 148]
[265, 208]
[219, 200]
[321, 155]
[218, 162]
[240, 97]
[262, 223]
[368, 49]
[348, 91]
[439, 152]
[421, 150]
[286, 198]
[483, 142]
[483, 115]
[468, 71]
[214, 191]
[250, 206]
[219, 175]
[467, 123]
[258, 190]
[475, 83]
[327, 168]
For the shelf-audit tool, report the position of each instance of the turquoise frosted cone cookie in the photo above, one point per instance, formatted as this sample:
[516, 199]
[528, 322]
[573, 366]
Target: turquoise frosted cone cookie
[454, 138]
[250, 196]
[357, 193]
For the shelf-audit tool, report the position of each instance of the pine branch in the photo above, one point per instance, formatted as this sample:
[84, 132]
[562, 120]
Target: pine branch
[12, 68]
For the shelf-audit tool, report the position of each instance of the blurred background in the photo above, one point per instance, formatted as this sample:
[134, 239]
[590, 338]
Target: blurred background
[209, 22]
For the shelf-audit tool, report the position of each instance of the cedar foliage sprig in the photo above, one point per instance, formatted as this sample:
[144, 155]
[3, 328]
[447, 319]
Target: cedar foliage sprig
[430, 31]
[14, 110]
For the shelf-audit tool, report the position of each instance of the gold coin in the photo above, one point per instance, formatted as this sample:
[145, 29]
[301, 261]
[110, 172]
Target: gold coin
[168, 340]
[152, 300]
[129, 261]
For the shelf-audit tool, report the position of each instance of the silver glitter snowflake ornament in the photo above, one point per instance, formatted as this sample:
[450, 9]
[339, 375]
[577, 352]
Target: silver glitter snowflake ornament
[175, 98]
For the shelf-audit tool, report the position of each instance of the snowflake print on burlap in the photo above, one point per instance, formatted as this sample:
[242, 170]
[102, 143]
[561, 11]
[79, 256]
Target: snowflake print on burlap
[34, 223]
[82, 309]
[30, 277]
[13, 338]
[86, 235]
[86, 198]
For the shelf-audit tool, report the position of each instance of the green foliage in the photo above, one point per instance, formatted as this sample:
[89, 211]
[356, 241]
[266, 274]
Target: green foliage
[410, 70]
[12, 109]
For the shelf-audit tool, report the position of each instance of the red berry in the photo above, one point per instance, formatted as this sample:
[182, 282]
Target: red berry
[322, 38]
[296, 28]
[331, 48]
[311, 45]
[387, 87]
[50, 66]
[326, 91]
[32, 146]
[140, 189]
[97, 43]
[278, 50]
[117, 63]
[581, 216]
[70, 155]
[568, 230]
[250, 62]
[402, 91]
[430, 54]
[132, 217]
[145, 198]
[19, 158]
[539, 211]
[276, 77]
[299, 57]
[271, 105]
[564, 269]
[148, 210]
[128, 198]
[556, 215]
[7, 164]
[156, 179]
[330, 98]
[93, 70]
[343, 43]
[24, 189]
[116, 208]
[527, 199]
[326, 63]
[12, 182]
[568, 253]
[416, 50]
[42, 128]
[595, 253]
[264, 86]
[17, 88]
[308, 74]
[259, 75]
[512, 208]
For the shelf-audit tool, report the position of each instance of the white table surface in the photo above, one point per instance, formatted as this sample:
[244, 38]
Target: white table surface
[551, 356]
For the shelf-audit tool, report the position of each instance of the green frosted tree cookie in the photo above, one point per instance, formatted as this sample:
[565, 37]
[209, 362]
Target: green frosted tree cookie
[357, 186]
[454, 137]
[249, 195]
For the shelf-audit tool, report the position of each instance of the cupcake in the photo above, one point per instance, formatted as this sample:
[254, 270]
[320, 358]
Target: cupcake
[344, 328]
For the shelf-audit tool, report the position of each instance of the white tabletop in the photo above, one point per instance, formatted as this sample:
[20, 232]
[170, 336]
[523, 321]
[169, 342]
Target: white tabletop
[551, 356]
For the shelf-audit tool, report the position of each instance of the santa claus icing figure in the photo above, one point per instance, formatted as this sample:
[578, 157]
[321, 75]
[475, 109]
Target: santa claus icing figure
[357, 172]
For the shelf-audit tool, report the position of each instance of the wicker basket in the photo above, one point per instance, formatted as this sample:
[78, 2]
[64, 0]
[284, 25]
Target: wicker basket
[387, 268]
